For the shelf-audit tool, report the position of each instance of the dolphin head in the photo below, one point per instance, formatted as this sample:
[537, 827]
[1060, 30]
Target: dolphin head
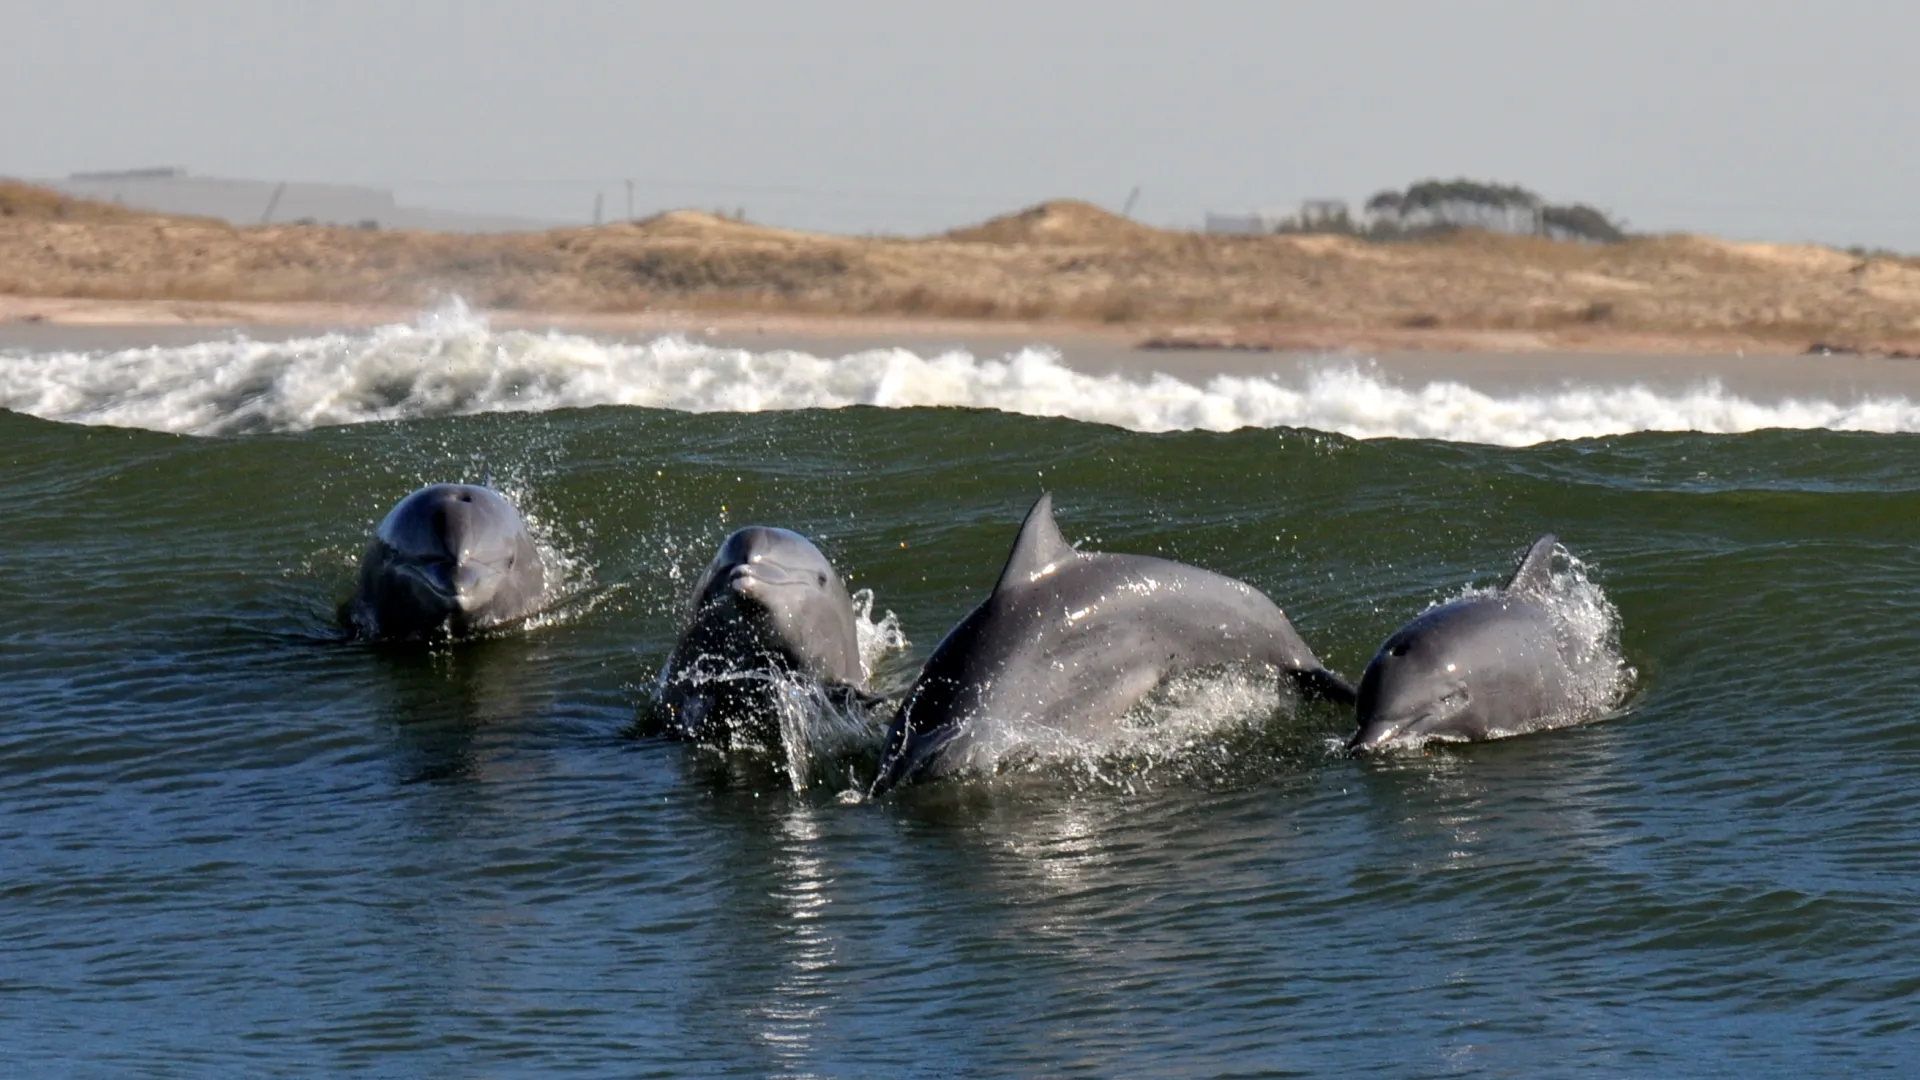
[767, 571]
[786, 592]
[454, 548]
[1415, 686]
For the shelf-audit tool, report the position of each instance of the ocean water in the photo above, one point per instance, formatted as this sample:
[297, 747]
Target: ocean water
[233, 842]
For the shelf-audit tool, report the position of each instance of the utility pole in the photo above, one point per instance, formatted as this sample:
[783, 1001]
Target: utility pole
[267, 218]
[1132, 197]
[599, 197]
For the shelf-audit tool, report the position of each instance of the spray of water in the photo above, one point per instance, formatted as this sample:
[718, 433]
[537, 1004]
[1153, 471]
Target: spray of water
[811, 726]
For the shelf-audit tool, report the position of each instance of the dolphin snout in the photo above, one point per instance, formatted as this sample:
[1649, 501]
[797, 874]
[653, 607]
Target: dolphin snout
[468, 579]
[758, 573]
[742, 579]
[1377, 734]
[1365, 740]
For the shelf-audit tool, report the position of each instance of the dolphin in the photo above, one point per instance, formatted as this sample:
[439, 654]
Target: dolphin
[769, 604]
[1069, 640]
[1477, 668]
[448, 559]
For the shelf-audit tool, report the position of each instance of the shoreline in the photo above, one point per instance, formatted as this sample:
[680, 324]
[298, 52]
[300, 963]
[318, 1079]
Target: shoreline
[28, 311]
[137, 314]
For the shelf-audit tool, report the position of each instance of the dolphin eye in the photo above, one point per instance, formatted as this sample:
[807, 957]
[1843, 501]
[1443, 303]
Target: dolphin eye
[823, 581]
[1398, 650]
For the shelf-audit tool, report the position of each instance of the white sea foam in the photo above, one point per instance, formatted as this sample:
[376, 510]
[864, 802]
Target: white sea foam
[451, 363]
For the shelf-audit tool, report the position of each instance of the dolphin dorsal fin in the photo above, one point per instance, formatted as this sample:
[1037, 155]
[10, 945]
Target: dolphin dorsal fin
[1535, 572]
[1038, 549]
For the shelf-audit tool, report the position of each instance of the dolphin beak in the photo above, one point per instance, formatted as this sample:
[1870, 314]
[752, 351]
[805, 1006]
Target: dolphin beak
[1378, 734]
[467, 579]
[1371, 737]
[760, 573]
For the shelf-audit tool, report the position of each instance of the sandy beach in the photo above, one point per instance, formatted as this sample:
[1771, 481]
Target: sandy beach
[1226, 338]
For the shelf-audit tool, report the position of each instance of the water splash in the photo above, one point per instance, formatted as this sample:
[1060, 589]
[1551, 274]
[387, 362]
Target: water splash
[451, 363]
[1196, 727]
[1586, 627]
[811, 726]
[877, 638]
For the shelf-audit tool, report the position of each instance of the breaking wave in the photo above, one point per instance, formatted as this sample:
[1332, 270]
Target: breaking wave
[450, 363]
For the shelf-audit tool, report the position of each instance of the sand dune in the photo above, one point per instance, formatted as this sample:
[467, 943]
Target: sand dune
[1059, 262]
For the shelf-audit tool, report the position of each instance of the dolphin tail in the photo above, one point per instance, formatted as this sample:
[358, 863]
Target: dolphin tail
[1321, 684]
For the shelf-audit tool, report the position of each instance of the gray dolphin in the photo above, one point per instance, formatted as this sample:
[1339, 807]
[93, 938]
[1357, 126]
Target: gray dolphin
[768, 603]
[448, 559]
[1478, 668]
[1069, 640]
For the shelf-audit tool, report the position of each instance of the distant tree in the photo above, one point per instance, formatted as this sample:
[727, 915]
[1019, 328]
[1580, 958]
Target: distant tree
[1319, 216]
[1438, 205]
[1580, 222]
[1384, 204]
[1463, 203]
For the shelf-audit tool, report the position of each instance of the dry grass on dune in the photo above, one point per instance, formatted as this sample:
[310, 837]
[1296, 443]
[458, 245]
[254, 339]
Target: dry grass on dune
[30, 203]
[1059, 260]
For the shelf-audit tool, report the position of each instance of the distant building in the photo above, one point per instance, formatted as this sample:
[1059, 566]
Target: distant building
[171, 190]
[1247, 224]
[1314, 214]
[1320, 212]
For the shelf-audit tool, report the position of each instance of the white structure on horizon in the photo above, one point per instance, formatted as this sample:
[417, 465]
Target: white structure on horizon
[1250, 223]
[171, 190]
[1312, 212]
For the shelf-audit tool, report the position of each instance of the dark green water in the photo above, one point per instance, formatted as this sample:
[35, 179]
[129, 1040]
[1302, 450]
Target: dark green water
[235, 844]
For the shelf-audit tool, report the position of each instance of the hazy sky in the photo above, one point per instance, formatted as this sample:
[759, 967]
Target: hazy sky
[1753, 118]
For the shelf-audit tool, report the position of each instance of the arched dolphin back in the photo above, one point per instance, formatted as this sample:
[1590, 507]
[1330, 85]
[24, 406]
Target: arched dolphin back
[1535, 572]
[1069, 640]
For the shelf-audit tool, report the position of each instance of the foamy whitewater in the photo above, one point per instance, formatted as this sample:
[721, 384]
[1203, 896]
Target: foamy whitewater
[450, 363]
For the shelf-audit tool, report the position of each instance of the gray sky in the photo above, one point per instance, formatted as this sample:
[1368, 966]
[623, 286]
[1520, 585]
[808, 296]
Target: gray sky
[1761, 119]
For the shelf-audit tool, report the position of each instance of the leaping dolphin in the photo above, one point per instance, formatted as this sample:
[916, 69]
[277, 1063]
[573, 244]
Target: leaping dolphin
[448, 559]
[1070, 640]
[1481, 668]
[768, 604]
